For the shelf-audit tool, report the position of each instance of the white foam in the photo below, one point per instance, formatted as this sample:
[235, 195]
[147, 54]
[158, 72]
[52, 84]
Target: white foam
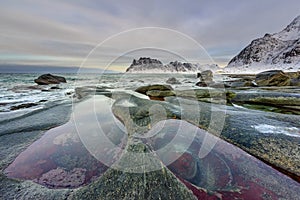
[126, 103]
[237, 106]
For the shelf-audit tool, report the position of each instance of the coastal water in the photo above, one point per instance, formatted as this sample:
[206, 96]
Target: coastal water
[17, 89]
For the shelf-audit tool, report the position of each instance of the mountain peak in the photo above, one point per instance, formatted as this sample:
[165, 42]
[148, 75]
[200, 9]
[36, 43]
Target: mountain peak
[291, 32]
[273, 51]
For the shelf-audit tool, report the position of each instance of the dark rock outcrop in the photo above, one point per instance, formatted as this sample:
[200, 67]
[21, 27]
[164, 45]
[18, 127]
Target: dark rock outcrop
[24, 105]
[47, 79]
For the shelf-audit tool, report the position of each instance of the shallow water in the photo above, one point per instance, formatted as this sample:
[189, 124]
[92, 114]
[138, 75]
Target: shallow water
[60, 158]
[226, 170]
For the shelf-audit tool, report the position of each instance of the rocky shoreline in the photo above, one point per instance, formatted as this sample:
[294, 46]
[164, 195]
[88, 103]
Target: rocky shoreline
[272, 136]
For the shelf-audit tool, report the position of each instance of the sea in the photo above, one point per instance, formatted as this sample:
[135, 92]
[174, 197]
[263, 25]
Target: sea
[18, 89]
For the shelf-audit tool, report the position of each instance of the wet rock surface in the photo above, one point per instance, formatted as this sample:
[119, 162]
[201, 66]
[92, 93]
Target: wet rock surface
[206, 76]
[203, 173]
[145, 89]
[229, 172]
[272, 78]
[276, 100]
[86, 91]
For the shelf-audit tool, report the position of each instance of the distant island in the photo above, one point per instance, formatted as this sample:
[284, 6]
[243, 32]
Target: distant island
[150, 65]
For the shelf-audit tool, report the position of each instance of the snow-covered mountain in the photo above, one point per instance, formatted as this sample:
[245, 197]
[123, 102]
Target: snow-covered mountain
[273, 51]
[149, 65]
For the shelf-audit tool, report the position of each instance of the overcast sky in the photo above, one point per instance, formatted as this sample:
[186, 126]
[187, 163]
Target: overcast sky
[62, 33]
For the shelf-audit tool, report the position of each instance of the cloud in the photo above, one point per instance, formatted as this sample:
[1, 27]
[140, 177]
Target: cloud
[67, 31]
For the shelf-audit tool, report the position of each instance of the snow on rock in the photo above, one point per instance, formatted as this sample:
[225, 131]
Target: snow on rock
[149, 65]
[273, 51]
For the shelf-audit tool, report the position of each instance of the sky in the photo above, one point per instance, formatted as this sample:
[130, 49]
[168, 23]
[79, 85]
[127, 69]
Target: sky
[99, 33]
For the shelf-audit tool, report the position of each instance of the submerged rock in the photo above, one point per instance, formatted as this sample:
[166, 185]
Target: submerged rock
[173, 80]
[47, 79]
[85, 91]
[184, 165]
[24, 105]
[60, 178]
[25, 88]
[295, 82]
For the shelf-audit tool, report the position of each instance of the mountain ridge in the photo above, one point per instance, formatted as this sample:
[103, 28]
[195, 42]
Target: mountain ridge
[150, 65]
[272, 51]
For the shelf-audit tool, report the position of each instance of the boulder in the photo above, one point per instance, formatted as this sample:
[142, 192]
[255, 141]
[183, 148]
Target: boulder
[272, 78]
[206, 76]
[172, 80]
[160, 94]
[47, 79]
